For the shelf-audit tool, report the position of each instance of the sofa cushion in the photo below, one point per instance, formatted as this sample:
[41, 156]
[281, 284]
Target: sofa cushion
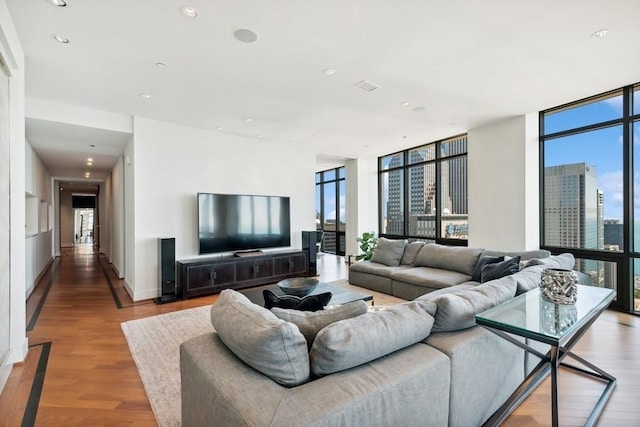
[448, 290]
[376, 268]
[410, 253]
[566, 261]
[434, 278]
[389, 252]
[457, 310]
[311, 322]
[261, 340]
[476, 275]
[454, 258]
[500, 269]
[306, 303]
[524, 255]
[352, 342]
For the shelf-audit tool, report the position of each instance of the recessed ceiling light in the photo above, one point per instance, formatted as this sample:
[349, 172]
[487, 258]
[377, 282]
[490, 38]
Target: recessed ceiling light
[90, 159]
[419, 109]
[245, 35]
[329, 71]
[293, 142]
[60, 39]
[248, 119]
[189, 12]
[219, 128]
[89, 163]
[161, 65]
[259, 135]
[60, 3]
[600, 33]
[145, 96]
[405, 103]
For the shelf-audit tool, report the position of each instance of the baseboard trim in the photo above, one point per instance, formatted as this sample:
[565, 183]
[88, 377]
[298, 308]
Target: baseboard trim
[5, 371]
[40, 276]
[19, 352]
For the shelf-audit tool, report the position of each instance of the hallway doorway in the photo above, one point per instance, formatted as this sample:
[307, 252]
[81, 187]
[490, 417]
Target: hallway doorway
[83, 220]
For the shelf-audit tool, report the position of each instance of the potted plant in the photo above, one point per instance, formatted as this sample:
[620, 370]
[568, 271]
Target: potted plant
[368, 243]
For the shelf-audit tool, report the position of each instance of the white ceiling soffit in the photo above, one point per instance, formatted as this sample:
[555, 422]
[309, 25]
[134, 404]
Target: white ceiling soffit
[65, 148]
[441, 67]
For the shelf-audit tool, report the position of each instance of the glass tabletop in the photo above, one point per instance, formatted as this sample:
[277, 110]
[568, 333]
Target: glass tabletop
[529, 315]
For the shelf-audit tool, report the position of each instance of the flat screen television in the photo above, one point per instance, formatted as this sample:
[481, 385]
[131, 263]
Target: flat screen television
[234, 222]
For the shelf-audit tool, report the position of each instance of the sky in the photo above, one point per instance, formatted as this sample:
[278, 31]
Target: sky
[601, 148]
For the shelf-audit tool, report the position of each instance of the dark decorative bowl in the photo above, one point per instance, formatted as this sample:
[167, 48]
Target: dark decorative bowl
[298, 286]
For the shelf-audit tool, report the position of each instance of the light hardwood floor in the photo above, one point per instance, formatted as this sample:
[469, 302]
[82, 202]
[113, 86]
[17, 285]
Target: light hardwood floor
[79, 371]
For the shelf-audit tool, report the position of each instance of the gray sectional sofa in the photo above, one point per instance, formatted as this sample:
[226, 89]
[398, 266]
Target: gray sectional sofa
[408, 270]
[420, 363]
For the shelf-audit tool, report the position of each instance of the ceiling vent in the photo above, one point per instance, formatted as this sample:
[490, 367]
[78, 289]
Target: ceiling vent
[365, 85]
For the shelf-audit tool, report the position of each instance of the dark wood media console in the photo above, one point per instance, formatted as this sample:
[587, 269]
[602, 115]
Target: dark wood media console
[209, 276]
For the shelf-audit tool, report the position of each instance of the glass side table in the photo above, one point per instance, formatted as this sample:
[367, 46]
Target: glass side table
[560, 326]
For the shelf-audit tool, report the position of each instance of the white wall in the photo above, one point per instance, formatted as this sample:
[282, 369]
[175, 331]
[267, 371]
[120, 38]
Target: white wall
[38, 248]
[13, 56]
[105, 217]
[117, 218]
[66, 219]
[503, 184]
[362, 200]
[130, 214]
[172, 163]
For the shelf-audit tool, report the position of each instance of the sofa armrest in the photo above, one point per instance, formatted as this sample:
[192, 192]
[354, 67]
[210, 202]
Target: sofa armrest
[408, 387]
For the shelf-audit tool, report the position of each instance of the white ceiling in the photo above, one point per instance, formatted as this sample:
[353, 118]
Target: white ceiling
[466, 62]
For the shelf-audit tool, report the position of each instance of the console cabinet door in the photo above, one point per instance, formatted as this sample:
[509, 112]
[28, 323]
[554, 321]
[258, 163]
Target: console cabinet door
[289, 264]
[224, 274]
[298, 264]
[199, 277]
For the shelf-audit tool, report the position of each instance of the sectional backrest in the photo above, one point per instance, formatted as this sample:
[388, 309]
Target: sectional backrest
[453, 258]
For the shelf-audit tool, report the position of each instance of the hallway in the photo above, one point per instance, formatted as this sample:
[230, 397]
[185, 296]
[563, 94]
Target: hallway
[79, 361]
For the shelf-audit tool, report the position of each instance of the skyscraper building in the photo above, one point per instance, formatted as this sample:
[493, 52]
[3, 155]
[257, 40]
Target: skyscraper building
[613, 233]
[417, 192]
[454, 174]
[573, 211]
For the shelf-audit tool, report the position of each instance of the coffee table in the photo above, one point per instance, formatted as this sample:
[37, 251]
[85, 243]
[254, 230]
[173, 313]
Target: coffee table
[560, 326]
[339, 295]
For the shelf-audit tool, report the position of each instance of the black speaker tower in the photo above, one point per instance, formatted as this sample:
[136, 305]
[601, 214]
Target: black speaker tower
[309, 245]
[166, 270]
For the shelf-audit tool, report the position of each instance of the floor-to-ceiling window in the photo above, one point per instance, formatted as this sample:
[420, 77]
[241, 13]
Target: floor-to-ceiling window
[330, 209]
[423, 192]
[589, 177]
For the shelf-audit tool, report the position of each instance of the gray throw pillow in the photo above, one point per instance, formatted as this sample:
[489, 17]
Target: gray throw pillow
[311, 322]
[476, 275]
[352, 342]
[500, 269]
[458, 310]
[410, 252]
[261, 340]
[389, 252]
